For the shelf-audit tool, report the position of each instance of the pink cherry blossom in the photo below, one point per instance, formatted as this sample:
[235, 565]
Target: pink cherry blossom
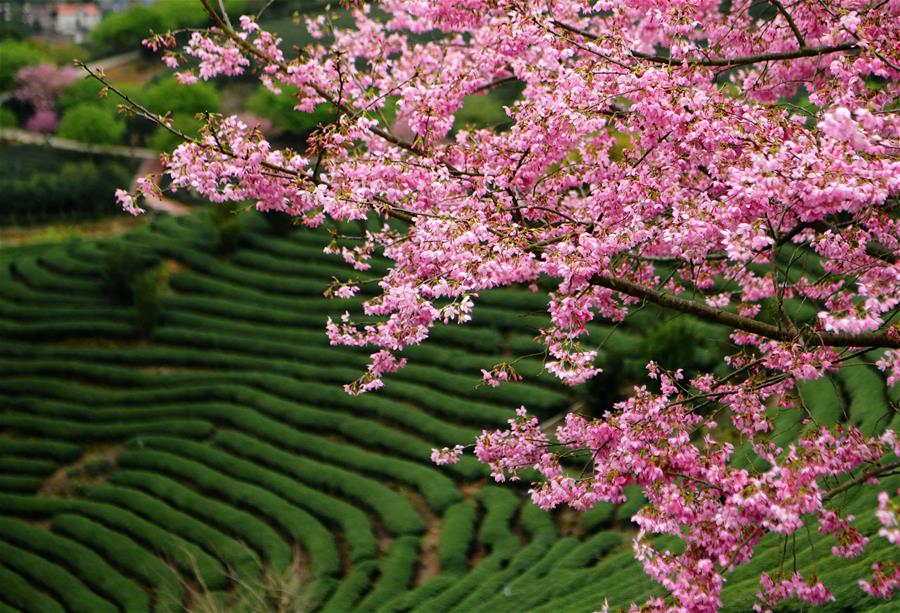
[623, 175]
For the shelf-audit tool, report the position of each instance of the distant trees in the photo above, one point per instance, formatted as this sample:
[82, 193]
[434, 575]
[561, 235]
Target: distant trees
[92, 124]
[119, 31]
[16, 55]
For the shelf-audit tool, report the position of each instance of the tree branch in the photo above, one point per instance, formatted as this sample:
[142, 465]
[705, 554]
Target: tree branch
[745, 324]
[846, 485]
[742, 60]
[787, 16]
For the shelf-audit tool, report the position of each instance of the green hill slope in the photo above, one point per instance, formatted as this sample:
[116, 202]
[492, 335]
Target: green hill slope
[195, 463]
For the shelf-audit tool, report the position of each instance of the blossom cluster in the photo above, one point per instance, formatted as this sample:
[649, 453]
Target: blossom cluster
[690, 178]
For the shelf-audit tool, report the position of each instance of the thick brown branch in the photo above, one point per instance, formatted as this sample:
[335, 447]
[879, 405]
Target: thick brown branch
[787, 16]
[741, 60]
[745, 324]
[846, 485]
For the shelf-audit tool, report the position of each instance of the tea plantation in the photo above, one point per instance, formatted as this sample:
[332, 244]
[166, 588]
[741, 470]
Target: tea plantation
[196, 450]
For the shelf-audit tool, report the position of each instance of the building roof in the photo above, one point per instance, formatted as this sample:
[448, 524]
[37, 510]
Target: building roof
[64, 8]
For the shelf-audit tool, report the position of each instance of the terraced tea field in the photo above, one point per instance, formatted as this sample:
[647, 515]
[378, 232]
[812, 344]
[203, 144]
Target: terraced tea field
[218, 454]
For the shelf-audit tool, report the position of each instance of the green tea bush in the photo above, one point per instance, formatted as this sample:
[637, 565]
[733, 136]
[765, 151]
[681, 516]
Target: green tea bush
[426, 591]
[124, 554]
[138, 492]
[306, 528]
[227, 518]
[77, 431]
[498, 582]
[72, 593]
[187, 557]
[20, 483]
[593, 549]
[394, 510]
[500, 506]
[456, 537]
[280, 224]
[20, 593]
[26, 466]
[56, 451]
[822, 399]
[8, 119]
[351, 588]
[86, 564]
[506, 598]
[78, 190]
[460, 587]
[396, 573]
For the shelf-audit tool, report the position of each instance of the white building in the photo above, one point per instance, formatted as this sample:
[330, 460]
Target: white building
[68, 20]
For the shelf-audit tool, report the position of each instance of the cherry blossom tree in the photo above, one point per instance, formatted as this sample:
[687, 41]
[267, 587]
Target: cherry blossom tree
[39, 86]
[683, 153]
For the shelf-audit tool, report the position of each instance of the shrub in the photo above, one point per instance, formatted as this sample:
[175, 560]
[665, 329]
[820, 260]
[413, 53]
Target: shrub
[20, 593]
[72, 592]
[227, 227]
[280, 224]
[26, 466]
[456, 537]
[500, 507]
[393, 509]
[301, 526]
[174, 522]
[396, 573]
[163, 140]
[146, 291]
[92, 124]
[16, 54]
[868, 409]
[122, 30]
[122, 266]
[75, 190]
[351, 588]
[280, 109]
[84, 91]
[55, 450]
[90, 567]
[19, 483]
[8, 119]
[186, 556]
[124, 553]
[506, 597]
[592, 550]
[168, 95]
[77, 431]
[498, 583]
[238, 524]
[119, 31]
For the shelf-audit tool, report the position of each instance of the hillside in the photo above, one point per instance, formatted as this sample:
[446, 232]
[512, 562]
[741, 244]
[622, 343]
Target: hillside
[216, 454]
